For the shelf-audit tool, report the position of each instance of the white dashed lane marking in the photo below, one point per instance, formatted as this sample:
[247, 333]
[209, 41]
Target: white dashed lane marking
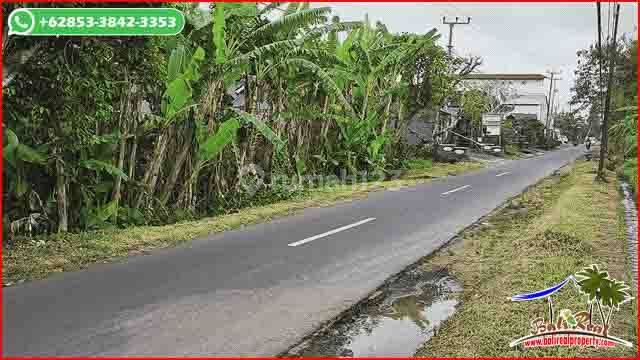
[456, 189]
[331, 232]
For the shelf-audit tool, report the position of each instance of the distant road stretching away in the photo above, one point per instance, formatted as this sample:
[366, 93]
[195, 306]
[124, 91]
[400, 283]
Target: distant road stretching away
[255, 291]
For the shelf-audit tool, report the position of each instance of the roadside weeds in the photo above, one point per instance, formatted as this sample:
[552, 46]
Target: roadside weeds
[41, 256]
[552, 230]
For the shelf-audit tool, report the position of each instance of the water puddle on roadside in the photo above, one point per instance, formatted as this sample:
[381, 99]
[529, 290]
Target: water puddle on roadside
[394, 321]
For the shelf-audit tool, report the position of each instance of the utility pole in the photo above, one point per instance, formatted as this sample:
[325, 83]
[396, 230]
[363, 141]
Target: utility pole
[437, 126]
[451, 25]
[554, 108]
[600, 59]
[604, 137]
[552, 78]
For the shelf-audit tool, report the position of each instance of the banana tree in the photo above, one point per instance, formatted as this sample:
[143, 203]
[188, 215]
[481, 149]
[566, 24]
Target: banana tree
[182, 73]
[250, 48]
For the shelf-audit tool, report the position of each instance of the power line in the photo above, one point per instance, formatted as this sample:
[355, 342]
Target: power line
[522, 52]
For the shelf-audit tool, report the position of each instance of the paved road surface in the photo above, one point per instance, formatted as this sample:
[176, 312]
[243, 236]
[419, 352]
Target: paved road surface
[258, 290]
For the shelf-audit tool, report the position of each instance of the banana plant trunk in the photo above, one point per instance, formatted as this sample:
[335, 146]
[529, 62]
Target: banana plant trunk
[153, 168]
[435, 136]
[129, 107]
[386, 114]
[117, 193]
[132, 163]
[177, 168]
[61, 193]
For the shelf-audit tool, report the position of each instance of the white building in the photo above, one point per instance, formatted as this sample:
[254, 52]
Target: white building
[526, 93]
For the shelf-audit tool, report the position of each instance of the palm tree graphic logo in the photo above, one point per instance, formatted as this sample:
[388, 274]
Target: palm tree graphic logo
[603, 295]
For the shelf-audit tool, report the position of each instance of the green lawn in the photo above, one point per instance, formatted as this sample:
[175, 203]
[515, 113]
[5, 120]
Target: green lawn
[564, 223]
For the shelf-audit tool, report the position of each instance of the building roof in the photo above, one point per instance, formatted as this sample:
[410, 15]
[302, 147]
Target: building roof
[504, 108]
[520, 116]
[478, 76]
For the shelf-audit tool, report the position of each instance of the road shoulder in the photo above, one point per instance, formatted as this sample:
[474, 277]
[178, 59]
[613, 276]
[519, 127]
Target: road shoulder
[36, 258]
[564, 223]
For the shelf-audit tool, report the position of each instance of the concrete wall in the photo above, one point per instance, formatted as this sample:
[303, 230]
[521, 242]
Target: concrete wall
[531, 104]
[526, 87]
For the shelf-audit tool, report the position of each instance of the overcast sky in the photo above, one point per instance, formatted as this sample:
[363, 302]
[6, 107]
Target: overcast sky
[510, 38]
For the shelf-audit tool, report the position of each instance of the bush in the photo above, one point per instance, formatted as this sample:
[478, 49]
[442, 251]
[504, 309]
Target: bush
[419, 163]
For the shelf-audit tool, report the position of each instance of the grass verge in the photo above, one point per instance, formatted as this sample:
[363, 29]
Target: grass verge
[554, 229]
[36, 258]
[630, 173]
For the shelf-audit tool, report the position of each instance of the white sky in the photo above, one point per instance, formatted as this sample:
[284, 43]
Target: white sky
[510, 38]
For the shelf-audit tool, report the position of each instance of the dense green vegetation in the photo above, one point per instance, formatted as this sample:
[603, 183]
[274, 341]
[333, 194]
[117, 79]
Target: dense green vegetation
[43, 256]
[113, 132]
[584, 120]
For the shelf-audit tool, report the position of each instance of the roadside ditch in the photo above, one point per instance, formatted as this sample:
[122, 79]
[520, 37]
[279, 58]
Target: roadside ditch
[451, 303]
[407, 309]
[631, 222]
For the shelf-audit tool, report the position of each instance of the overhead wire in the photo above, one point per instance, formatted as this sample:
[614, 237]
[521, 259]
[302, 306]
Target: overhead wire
[522, 51]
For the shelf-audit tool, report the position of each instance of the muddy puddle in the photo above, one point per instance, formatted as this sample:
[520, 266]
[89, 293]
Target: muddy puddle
[394, 321]
[631, 221]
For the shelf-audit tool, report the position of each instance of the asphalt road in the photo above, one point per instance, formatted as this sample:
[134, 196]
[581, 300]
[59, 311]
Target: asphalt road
[258, 290]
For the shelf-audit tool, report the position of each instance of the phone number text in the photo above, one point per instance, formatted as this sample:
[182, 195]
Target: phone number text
[108, 22]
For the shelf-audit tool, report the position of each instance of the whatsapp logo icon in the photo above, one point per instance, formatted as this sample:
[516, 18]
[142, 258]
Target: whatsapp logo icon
[21, 22]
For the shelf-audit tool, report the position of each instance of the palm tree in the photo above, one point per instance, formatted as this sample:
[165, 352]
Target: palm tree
[602, 290]
[590, 281]
[612, 294]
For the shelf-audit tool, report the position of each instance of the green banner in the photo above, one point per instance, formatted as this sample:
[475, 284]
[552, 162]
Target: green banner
[95, 21]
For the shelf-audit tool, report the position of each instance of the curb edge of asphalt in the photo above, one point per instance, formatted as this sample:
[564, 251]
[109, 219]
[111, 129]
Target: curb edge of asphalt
[351, 309]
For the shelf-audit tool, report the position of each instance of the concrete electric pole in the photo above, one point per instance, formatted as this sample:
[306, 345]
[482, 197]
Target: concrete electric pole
[552, 78]
[451, 25]
[604, 136]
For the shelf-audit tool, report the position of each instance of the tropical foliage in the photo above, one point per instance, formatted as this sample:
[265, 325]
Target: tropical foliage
[115, 132]
[588, 100]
